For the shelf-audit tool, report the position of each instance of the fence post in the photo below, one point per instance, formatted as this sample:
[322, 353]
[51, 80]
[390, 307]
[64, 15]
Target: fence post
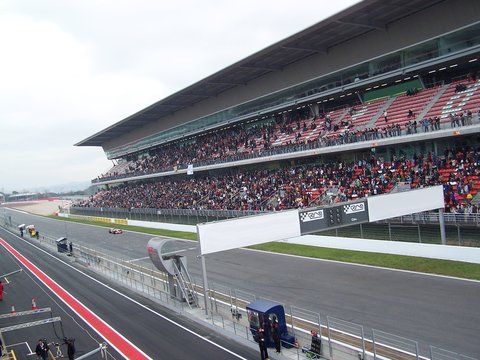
[291, 320]
[363, 345]
[329, 339]
[459, 235]
[441, 220]
[419, 234]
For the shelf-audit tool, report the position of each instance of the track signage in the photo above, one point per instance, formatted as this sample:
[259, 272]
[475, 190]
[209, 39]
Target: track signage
[313, 220]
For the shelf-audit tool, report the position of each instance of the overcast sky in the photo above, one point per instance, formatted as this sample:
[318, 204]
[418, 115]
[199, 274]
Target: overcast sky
[69, 69]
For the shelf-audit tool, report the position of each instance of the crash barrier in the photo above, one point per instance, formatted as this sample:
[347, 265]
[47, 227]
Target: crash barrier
[227, 310]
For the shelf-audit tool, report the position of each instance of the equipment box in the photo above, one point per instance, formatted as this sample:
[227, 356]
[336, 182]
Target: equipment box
[62, 245]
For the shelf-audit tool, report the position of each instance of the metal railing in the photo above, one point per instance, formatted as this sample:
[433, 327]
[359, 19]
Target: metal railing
[177, 216]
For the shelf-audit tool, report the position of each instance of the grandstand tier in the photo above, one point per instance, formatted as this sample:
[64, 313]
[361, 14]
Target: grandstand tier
[381, 108]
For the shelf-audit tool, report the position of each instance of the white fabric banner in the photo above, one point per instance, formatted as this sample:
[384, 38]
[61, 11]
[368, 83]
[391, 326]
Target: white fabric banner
[246, 231]
[387, 206]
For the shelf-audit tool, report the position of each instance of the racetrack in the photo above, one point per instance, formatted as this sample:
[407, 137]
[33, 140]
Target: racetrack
[92, 310]
[433, 310]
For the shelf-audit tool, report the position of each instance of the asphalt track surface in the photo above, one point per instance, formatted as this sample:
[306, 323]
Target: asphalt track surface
[137, 328]
[439, 311]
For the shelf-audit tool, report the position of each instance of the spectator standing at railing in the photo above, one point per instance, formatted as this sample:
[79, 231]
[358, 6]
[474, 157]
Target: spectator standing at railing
[469, 117]
[425, 124]
[437, 122]
[451, 118]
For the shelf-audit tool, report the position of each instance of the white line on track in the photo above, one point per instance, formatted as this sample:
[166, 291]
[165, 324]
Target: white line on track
[139, 259]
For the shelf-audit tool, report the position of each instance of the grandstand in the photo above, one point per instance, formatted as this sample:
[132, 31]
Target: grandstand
[356, 105]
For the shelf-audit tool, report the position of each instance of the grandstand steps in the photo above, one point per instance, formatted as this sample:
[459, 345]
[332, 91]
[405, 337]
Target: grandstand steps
[271, 201]
[364, 114]
[342, 116]
[455, 102]
[379, 114]
[476, 199]
[398, 110]
[432, 101]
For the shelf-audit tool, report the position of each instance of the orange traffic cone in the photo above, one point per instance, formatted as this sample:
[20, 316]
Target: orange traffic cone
[34, 304]
[13, 310]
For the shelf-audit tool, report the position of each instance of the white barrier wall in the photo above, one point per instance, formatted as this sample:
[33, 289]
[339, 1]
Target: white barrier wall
[432, 251]
[166, 226]
[246, 231]
[388, 206]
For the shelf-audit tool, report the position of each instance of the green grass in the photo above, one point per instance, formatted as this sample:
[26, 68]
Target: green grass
[425, 265]
[411, 263]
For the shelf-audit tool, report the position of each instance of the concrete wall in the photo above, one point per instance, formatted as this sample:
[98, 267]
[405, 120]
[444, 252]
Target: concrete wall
[432, 251]
[166, 226]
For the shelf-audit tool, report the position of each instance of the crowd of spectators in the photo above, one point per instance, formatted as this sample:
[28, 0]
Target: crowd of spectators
[303, 185]
[262, 138]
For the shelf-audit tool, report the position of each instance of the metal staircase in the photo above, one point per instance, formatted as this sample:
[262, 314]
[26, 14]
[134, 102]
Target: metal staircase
[185, 284]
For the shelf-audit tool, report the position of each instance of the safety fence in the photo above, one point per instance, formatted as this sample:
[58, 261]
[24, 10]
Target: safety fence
[176, 216]
[426, 233]
[227, 310]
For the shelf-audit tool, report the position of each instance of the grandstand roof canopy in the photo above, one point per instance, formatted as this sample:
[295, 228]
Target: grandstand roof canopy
[366, 16]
